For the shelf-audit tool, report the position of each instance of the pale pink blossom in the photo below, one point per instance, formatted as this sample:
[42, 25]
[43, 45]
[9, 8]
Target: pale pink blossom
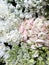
[21, 29]
[24, 35]
[35, 30]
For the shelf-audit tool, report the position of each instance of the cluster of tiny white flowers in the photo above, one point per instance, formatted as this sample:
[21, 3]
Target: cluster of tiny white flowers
[8, 27]
[8, 23]
[3, 49]
[30, 7]
[3, 9]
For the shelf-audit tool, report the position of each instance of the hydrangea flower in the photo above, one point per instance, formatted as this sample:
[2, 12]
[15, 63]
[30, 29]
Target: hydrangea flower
[9, 23]
[35, 30]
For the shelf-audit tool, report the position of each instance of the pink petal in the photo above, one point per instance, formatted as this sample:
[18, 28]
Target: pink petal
[21, 29]
[24, 35]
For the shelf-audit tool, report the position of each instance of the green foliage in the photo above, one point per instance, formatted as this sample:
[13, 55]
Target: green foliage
[24, 55]
[2, 60]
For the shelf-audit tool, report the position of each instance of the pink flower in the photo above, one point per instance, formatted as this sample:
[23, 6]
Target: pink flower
[21, 29]
[31, 21]
[24, 35]
[30, 29]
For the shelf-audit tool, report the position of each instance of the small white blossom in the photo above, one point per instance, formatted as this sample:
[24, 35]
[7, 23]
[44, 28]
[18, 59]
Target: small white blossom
[33, 46]
[2, 49]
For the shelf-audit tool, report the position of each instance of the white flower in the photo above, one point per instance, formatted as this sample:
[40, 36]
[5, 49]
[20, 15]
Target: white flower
[2, 49]
[30, 2]
[2, 53]
[13, 36]
[11, 8]
[21, 15]
[25, 1]
[3, 9]
[33, 46]
[18, 6]
[28, 15]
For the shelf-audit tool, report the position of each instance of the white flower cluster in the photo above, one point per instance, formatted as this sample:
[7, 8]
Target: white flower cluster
[3, 49]
[8, 24]
[24, 8]
[8, 27]
[13, 36]
[3, 9]
[27, 8]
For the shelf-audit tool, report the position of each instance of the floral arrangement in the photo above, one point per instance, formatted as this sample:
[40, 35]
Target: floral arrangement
[24, 36]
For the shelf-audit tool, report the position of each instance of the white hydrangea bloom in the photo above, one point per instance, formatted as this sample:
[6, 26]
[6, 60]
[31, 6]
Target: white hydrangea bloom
[2, 49]
[11, 8]
[8, 23]
[28, 4]
[13, 36]
[9, 32]
[3, 9]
